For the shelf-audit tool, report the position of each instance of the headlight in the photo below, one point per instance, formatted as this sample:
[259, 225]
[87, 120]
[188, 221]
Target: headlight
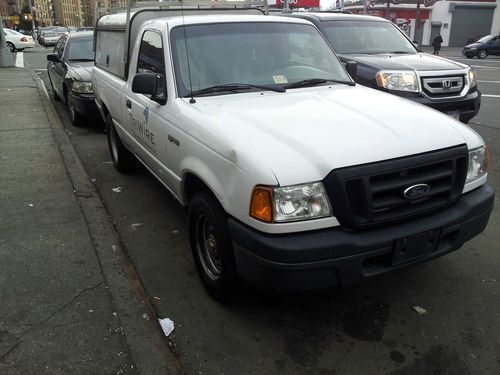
[472, 77]
[400, 81]
[472, 48]
[290, 203]
[85, 87]
[478, 162]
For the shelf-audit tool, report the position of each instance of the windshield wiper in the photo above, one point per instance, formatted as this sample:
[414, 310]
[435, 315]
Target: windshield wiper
[400, 52]
[314, 82]
[234, 87]
[80, 59]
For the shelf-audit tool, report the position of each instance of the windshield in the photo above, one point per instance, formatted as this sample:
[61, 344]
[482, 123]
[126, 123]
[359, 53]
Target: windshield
[268, 54]
[81, 49]
[13, 32]
[486, 38]
[371, 37]
[49, 33]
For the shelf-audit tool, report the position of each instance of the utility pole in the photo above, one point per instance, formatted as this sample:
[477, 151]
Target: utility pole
[5, 54]
[417, 21]
[286, 7]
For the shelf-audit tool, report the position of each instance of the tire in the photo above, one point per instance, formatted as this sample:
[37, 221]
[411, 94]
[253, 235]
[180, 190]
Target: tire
[482, 53]
[54, 93]
[11, 47]
[123, 160]
[74, 116]
[212, 246]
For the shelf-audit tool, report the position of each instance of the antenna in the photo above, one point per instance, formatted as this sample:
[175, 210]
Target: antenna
[192, 100]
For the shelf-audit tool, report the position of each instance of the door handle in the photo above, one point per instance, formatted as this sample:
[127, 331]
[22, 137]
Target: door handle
[128, 103]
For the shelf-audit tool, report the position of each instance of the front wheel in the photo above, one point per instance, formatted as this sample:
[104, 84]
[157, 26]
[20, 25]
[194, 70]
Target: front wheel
[212, 246]
[123, 160]
[482, 54]
[74, 116]
[12, 47]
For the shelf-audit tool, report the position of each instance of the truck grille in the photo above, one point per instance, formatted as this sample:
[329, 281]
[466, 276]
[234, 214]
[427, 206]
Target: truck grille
[371, 195]
[443, 86]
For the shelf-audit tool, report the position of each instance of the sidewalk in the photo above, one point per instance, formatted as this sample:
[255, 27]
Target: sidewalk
[67, 306]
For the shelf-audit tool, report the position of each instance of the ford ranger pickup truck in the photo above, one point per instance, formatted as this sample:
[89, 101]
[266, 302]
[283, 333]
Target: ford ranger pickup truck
[295, 178]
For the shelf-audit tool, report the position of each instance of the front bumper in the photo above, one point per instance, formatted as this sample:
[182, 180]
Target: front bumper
[84, 104]
[309, 261]
[465, 107]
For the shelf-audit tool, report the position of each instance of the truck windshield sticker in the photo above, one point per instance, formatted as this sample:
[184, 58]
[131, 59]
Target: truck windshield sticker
[280, 79]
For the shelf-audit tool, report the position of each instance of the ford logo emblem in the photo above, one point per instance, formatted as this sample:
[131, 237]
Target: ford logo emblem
[416, 191]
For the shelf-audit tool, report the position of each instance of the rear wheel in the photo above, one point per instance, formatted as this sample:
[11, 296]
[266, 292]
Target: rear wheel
[11, 46]
[212, 246]
[123, 160]
[482, 54]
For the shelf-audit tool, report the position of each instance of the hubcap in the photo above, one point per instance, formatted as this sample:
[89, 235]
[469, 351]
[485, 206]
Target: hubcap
[206, 246]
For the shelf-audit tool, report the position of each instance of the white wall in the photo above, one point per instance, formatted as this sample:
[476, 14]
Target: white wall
[495, 25]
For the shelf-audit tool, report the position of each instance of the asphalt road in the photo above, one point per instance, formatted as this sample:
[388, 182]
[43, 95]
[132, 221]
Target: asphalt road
[367, 329]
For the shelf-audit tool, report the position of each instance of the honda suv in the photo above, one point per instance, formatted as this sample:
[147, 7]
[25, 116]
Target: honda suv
[387, 60]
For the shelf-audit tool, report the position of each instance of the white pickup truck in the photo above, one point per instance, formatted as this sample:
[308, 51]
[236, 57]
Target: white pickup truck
[295, 178]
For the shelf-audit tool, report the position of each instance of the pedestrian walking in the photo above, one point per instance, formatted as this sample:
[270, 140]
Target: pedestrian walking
[436, 43]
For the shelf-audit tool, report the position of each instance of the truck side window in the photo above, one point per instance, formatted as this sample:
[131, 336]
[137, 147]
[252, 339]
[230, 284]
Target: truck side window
[151, 56]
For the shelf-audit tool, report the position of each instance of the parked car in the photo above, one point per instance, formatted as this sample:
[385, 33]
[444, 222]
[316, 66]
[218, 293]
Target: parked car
[49, 38]
[17, 41]
[69, 69]
[295, 178]
[487, 45]
[388, 60]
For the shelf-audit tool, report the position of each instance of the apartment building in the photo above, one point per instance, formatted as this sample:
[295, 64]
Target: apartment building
[44, 12]
[68, 12]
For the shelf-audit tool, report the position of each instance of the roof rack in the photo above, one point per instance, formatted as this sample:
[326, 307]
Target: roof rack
[190, 4]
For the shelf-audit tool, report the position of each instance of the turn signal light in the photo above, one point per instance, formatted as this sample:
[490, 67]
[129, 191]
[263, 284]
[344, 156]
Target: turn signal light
[261, 207]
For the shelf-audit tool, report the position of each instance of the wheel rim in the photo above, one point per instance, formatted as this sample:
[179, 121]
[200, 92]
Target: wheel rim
[114, 147]
[482, 54]
[11, 47]
[206, 246]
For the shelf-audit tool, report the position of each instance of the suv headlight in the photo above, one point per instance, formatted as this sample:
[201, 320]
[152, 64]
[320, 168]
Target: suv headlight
[398, 81]
[290, 203]
[472, 77]
[84, 87]
[478, 163]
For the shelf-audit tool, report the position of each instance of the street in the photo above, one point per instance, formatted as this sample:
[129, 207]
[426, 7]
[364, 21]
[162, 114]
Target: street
[372, 328]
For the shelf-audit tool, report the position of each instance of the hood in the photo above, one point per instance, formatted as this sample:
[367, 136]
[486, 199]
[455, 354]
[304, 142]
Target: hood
[415, 61]
[82, 71]
[474, 45]
[322, 128]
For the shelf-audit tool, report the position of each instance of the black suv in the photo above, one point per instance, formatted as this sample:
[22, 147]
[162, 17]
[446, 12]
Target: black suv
[387, 60]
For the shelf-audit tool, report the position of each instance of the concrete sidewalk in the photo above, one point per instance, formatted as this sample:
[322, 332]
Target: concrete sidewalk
[68, 304]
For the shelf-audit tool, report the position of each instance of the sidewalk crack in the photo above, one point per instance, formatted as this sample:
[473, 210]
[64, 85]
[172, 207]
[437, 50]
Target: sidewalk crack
[89, 289]
[5, 355]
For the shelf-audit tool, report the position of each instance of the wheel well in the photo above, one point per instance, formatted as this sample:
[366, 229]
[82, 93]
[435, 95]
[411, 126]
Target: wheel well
[192, 185]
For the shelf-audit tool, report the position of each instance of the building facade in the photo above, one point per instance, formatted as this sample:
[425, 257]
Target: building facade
[44, 12]
[458, 21]
[68, 13]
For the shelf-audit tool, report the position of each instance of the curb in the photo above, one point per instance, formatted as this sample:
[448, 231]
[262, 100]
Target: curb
[149, 348]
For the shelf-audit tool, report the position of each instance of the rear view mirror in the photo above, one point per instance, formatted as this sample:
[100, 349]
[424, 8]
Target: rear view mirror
[352, 68]
[148, 84]
[144, 83]
[54, 57]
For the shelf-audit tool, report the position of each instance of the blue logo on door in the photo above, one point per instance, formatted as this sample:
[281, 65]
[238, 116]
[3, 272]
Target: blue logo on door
[146, 113]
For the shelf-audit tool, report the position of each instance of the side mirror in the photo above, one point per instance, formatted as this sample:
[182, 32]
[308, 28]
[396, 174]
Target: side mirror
[352, 68]
[148, 84]
[144, 83]
[54, 57]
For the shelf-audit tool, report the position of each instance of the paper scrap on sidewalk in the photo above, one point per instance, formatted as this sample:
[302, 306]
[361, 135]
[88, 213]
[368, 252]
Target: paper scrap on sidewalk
[167, 325]
[117, 189]
[134, 226]
[419, 310]
[31, 204]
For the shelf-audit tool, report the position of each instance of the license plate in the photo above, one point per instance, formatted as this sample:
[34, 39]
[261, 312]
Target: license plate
[455, 115]
[415, 246]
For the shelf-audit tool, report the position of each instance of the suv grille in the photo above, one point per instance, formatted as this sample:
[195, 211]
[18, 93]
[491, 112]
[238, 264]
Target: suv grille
[443, 86]
[372, 194]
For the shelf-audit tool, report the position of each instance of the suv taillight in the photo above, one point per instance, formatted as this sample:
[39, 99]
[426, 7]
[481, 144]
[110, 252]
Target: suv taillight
[23, 39]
